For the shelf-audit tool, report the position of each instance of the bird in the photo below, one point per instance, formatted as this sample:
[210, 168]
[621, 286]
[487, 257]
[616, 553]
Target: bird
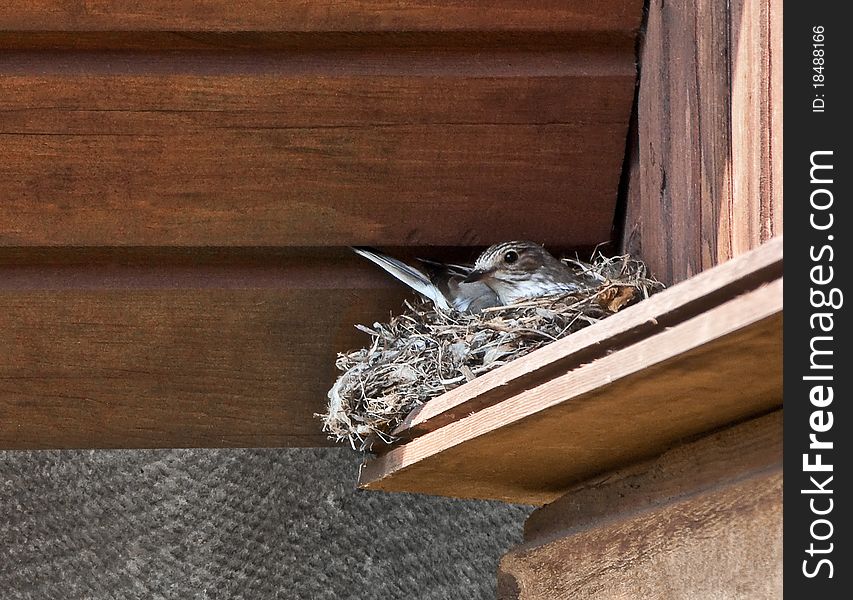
[503, 274]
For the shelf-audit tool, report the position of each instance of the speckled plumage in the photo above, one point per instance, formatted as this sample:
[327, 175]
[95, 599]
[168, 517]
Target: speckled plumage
[504, 273]
[533, 273]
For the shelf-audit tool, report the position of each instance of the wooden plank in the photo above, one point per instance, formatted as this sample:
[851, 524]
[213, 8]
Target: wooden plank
[352, 15]
[732, 454]
[750, 119]
[650, 226]
[628, 405]
[725, 544]
[240, 42]
[671, 141]
[722, 541]
[713, 91]
[666, 309]
[686, 476]
[776, 96]
[330, 146]
[163, 348]
[708, 178]
[628, 220]
[680, 189]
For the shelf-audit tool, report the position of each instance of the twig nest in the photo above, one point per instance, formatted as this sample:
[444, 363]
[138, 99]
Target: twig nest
[424, 352]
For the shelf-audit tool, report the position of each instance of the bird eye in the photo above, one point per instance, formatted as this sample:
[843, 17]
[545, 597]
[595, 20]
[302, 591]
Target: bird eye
[510, 257]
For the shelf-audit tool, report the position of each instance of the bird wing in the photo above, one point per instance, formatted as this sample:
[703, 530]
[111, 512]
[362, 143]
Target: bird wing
[447, 268]
[471, 297]
[465, 297]
[408, 275]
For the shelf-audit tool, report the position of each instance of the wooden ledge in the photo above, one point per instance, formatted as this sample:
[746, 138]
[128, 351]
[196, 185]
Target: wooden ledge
[657, 313]
[698, 356]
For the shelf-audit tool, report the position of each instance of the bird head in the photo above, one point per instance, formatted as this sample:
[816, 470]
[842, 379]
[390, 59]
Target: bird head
[511, 263]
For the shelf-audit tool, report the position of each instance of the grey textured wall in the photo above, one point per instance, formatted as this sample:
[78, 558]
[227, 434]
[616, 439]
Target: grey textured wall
[235, 524]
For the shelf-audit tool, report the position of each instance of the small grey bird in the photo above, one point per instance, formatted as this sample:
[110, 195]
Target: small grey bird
[504, 273]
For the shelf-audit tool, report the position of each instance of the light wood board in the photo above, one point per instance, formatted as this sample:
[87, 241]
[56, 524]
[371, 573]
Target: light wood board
[718, 367]
[703, 520]
[723, 542]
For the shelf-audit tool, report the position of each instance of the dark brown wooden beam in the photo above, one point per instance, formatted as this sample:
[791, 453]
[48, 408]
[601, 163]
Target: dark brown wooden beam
[401, 141]
[161, 348]
[353, 15]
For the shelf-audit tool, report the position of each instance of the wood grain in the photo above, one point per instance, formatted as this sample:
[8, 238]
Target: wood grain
[775, 98]
[666, 309]
[680, 187]
[752, 122]
[292, 15]
[708, 182]
[178, 180]
[723, 543]
[716, 208]
[118, 349]
[629, 405]
[721, 458]
[345, 143]
[741, 458]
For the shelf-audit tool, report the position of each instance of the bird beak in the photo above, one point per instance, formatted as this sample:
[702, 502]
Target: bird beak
[476, 275]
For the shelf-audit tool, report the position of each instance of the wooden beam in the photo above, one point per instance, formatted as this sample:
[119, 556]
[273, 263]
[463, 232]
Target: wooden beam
[755, 55]
[174, 178]
[324, 140]
[631, 404]
[349, 16]
[706, 185]
[703, 520]
[167, 348]
[666, 309]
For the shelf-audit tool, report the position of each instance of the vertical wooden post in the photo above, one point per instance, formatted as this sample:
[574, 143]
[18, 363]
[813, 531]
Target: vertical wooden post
[705, 184]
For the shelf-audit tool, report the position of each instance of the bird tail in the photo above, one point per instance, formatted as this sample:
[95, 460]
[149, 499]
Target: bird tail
[408, 275]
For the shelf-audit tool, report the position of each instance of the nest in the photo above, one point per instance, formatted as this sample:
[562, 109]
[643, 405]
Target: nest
[424, 352]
